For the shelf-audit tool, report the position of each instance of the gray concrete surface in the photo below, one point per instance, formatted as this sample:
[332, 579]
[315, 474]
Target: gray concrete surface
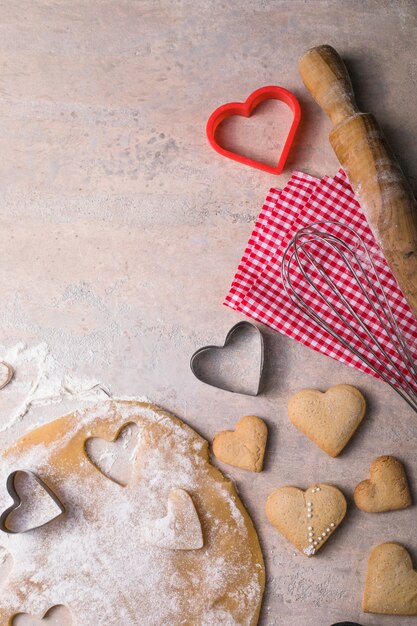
[121, 230]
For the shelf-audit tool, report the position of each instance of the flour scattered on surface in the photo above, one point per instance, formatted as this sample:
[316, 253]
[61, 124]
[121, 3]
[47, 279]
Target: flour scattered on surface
[6, 565]
[218, 617]
[40, 380]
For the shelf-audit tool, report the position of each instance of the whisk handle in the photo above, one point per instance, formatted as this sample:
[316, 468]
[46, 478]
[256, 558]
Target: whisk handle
[326, 77]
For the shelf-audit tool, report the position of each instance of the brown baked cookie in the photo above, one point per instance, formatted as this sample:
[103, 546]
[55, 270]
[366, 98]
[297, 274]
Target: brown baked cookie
[306, 518]
[329, 419]
[386, 490]
[391, 582]
[245, 446]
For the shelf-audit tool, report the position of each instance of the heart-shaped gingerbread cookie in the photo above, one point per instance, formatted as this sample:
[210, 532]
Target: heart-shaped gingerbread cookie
[58, 615]
[180, 529]
[115, 459]
[245, 446]
[306, 518]
[329, 419]
[386, 490]
[391, 581]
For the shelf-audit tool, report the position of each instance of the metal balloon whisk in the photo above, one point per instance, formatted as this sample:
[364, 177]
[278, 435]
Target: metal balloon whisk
[329, 273]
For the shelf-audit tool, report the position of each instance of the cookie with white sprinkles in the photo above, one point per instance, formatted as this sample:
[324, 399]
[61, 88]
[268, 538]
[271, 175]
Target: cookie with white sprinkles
[306, 518]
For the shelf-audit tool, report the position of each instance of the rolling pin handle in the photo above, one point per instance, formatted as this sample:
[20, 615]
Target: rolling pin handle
[326, 78]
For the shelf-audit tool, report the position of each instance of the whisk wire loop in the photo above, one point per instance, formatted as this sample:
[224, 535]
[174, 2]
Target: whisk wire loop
[329, 260]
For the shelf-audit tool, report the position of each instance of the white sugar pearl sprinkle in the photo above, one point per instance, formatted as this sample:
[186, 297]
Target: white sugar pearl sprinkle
[332, 525]
[317, 488]
[323, 533]
[310, 534]
[309, 504]
[309, 515]
[314, 543]
[310, 528]
[310, 540]
[328, 530]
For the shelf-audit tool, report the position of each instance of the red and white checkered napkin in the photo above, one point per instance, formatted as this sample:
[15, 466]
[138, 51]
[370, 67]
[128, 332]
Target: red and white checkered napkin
[257, 289]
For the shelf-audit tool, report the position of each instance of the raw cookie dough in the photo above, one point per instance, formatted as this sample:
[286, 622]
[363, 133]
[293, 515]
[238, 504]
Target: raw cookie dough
[98, 559]
[329, 419]
[387, 489]
[245, 446]
[306, 518]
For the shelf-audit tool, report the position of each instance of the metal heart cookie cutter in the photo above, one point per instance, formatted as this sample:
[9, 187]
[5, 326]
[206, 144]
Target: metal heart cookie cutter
[17, 501]
[246, 109]
[235, 366]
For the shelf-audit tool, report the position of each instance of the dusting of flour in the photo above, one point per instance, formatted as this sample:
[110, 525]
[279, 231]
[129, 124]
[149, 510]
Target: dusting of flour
[39, 379]
[96, 560]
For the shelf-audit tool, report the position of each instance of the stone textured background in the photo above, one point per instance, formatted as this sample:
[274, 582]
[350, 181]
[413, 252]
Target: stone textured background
[121, 230]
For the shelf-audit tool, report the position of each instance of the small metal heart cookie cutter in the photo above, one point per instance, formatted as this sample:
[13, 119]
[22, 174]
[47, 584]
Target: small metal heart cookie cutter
[17, 501]
[250, 390]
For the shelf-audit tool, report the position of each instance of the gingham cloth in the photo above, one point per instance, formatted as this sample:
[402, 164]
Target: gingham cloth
[258, 292]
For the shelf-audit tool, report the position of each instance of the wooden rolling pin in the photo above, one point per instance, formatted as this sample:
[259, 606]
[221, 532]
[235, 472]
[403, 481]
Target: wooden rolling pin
[376, 177]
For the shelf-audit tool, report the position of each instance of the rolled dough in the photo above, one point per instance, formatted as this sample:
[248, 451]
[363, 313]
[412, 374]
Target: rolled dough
[96, 560]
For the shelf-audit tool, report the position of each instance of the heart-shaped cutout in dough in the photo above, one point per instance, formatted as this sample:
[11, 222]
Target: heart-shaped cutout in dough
[6, 565]
[386, 490]
[180, 528]
[329, 419]
[34, 503]
[115, 459]
[306, 518]
[245, 446]
[58, 615]
[391, 581]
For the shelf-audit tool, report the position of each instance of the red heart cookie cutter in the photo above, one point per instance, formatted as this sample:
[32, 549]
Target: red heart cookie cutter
[246, 109]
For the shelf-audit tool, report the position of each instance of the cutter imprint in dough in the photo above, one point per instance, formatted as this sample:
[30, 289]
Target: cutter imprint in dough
[95, 559]
[115, 459]
[180, 529]
[55, 616]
